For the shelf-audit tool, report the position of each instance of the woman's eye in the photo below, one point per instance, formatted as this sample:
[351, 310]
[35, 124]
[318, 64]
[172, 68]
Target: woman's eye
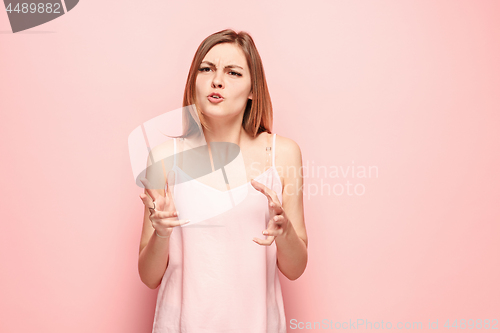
[207, 69]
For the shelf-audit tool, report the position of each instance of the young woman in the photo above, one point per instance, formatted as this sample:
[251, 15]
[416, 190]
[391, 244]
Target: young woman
[218, 275]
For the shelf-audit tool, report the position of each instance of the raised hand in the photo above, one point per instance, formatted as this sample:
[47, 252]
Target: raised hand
[164, 216]
[278, 223]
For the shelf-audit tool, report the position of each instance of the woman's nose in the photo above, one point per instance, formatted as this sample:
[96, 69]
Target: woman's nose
[217, 80]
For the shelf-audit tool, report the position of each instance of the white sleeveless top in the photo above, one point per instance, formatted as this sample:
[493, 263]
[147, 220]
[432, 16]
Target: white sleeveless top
[218, 280]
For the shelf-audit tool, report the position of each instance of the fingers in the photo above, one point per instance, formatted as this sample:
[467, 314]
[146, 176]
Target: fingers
[159, 201]
[169, 226]
[147, 201]
[166, 219]
[263, 189]
[170, 183]
[180, 222]
[273, 230]
[271, 195]
[155, 208]
[275, 226]
[149, 205]
[165, 215]
[172, 223]
[148, 190]
[274, 233]
[152, 210]
[268, 241]
[276, 207]
[162, 216]
[276, 220]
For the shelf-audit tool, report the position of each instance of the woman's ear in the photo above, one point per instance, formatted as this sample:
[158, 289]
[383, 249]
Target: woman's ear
[250, 96]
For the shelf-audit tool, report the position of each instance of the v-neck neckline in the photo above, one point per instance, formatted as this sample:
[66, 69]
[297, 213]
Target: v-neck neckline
[217, 190]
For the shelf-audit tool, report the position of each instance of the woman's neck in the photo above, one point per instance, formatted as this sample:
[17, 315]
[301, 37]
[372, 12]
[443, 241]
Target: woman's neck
[233, 134]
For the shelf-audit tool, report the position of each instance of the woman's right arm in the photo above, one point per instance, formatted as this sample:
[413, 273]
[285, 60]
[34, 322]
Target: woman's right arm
[153, 254]
[153, 250]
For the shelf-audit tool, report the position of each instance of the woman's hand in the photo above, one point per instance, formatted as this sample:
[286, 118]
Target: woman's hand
[163, 215]
[279, 223]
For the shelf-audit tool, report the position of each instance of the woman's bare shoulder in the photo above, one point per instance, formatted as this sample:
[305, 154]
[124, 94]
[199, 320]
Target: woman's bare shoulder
[288, 159]
[287, 148]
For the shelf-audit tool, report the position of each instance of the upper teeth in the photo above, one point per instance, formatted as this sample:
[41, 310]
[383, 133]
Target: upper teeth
[215, 96]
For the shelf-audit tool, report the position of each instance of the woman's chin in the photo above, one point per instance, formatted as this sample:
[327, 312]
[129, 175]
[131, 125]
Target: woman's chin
[215, 112]
[218, 111]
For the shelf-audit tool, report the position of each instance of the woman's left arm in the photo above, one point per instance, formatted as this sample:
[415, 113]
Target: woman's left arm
[292, 243]
[287, 226]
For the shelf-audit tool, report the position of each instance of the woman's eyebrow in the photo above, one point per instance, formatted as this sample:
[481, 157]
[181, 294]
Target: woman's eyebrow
[228, 66]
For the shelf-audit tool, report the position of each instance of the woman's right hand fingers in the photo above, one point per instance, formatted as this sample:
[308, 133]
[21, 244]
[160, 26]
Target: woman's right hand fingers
[170, 185]
[169, 219]
[147, 188]
[169, 196]
[146, 200]
[164, 216]
[161, 219]
[177, 223]
[157, 201]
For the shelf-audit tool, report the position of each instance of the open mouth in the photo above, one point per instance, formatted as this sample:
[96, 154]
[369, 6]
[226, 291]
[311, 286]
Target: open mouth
[215, 98]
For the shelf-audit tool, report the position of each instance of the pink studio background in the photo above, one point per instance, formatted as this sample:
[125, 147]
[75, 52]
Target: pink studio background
[407, 87]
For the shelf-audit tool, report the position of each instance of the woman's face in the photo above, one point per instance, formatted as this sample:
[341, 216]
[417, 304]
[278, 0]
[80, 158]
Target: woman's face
[223, 71]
